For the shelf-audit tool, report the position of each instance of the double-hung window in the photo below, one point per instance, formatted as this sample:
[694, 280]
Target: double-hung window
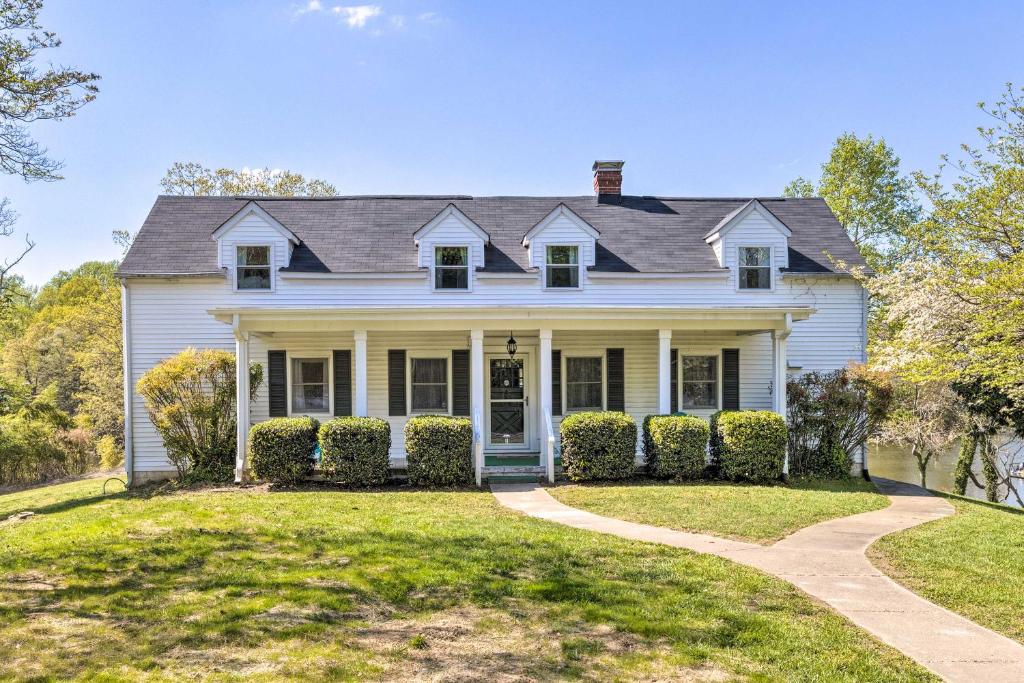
[562, 266]
[583, 383]
[451, 267]
[252, 268]
[429, 385]
[755, 270]
[310, 390]
[700, 382]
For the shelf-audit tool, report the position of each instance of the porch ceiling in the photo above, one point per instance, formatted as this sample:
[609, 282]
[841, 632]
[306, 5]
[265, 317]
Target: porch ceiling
[441, 319]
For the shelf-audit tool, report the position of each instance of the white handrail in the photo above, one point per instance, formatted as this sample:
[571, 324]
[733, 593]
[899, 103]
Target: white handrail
[549, 464]
[478, 446]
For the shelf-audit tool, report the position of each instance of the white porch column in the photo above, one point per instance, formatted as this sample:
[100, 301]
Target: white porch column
[241, 400]
[547, 443]
[779, 365]
[476, 400]
[664, 372]
[361, 409]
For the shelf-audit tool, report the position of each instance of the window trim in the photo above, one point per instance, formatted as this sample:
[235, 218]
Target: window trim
[469, 267]
[715, 352]
[428, 355]
[312, 354]
[579, 267]
[583, 353]
[270, 266]
[771, 268]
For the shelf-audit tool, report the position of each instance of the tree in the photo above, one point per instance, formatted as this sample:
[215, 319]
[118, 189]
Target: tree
[192, 179]
[956, 311]
[926, 422]
[862, 184]
[28, 95]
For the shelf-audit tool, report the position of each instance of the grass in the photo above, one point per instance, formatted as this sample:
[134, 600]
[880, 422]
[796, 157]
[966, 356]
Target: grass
[761, 514]
[386, 585]
[971, 563]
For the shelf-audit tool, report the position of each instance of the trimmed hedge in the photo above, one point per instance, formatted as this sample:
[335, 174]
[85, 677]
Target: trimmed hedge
[439, 449]
[354, 450]
[749, 444]
[598, 445]
[281, 449]
[676, 446]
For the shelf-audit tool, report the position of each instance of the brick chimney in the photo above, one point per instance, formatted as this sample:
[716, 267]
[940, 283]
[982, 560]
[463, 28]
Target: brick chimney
[608, 178]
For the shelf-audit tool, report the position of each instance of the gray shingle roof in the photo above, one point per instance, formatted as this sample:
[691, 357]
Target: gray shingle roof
[375, 233]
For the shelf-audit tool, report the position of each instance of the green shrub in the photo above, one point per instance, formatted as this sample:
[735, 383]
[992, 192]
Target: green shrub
[439, 449]
[598, 446]
[749, 444]
[190, 398]
[355, 450]
[281, 449]
[111, 455]
[676, 446]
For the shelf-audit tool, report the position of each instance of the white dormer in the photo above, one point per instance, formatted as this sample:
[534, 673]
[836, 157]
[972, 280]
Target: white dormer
[753, 244]
[559, 241]
[253, 246]
[451, 245]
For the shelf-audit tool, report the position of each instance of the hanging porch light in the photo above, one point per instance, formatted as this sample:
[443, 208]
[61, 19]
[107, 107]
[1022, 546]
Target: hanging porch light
[511, 346]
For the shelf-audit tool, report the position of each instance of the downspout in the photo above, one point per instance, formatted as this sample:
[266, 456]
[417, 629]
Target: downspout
[126, 369]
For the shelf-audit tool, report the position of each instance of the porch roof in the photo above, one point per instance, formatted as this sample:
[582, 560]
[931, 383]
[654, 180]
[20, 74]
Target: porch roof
[328, 319]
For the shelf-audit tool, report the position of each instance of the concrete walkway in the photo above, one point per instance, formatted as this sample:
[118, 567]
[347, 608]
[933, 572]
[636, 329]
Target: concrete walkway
[827, 561]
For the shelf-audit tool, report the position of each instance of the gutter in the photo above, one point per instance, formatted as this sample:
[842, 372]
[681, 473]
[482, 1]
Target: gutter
[126, 360]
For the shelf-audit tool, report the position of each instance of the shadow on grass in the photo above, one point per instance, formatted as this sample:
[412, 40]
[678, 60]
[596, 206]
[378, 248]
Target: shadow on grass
[847, 485]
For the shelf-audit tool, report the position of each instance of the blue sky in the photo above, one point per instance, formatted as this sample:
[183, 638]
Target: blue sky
[397, 96]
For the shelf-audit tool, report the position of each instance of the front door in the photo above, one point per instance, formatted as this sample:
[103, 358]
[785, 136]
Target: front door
[507, 403]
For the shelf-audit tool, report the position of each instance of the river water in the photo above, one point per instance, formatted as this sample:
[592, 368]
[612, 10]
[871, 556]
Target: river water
[896, 463]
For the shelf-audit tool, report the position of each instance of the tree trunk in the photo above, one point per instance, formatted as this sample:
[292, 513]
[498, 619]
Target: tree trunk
[964, 462]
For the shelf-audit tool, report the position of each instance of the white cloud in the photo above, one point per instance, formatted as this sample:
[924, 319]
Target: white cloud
[429, 18]
[357, 15]
[311, 6]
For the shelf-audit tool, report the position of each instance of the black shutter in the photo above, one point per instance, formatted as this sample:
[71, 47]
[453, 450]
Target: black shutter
[674, 381]
[616, 372]
[277, 382]
[396, 382]
[556, 382]
[730, 379]
[460, 382]
[343, 382]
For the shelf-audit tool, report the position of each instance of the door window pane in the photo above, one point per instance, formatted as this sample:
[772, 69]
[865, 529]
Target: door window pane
[430, 385]
[700, 381]
[310, 390]
[583, 386]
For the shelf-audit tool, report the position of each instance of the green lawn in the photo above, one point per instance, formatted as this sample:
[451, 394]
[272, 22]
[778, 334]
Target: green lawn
[761, 514]
[971, 563]
[392, 585]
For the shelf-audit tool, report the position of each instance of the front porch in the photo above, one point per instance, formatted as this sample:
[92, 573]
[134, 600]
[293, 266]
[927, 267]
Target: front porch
[401, 362]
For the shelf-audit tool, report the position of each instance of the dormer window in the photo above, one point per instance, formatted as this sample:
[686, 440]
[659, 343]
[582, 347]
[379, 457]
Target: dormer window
[451, 267]
[252, 268]
[562, 267]
[755, 270]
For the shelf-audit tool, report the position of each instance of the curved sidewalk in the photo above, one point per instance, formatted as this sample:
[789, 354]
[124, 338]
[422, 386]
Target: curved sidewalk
[827, 561]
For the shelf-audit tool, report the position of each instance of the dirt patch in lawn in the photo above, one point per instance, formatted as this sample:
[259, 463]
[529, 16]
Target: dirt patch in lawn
[473, 644]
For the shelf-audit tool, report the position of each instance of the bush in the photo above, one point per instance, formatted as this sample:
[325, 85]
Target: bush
[439, 449]
[598, 446]
[676, 446]
[111, 455]
[749, 444]
[355, 450]
[190, 399]
[831, 415]
[281, 449]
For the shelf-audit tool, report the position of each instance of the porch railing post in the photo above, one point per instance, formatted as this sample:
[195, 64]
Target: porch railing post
[361, 400]
[664, 372]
